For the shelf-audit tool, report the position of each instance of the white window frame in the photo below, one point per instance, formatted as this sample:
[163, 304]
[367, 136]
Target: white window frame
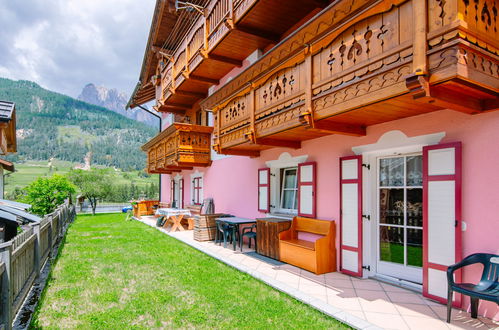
[284, 161]
[197, 175]
[281, 209]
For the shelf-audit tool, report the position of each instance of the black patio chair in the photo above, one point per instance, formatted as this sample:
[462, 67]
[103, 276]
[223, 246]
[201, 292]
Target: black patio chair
[227, 232]
[248, 232]
[486, 289]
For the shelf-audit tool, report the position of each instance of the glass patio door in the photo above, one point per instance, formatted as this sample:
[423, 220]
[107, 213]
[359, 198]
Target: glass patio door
[400, 217]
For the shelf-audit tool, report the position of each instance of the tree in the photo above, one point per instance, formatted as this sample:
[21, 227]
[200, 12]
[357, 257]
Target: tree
[94, 184]
[46, 193]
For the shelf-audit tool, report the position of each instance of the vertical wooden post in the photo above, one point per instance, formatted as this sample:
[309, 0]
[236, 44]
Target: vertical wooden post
[206, 30]
[252, 104]
[50, 243]
[420, 45]
[231, 11]
[36, 231]
[6, 293]
[308, 86]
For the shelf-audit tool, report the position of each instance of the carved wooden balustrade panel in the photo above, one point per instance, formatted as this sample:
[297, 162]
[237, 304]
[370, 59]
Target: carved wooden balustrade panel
[369, 56]
[365, 47]
[281, 90]
[473, 20]
[235, 114]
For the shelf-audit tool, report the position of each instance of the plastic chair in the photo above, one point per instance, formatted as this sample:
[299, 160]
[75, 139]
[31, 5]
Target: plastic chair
[226, 230]
[486, 289]
[248, 232]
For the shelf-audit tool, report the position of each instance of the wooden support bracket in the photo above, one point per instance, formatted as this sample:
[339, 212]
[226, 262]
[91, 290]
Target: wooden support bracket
[222, 59]
[421, 91]
[204, 80]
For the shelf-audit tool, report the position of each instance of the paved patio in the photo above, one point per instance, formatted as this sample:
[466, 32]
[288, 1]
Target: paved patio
[361, 303]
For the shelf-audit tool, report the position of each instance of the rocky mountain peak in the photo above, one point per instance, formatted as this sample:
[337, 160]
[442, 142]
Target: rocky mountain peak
[116, 101]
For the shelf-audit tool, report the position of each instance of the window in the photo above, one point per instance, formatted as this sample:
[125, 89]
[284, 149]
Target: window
[288, 197]
[287, 185]
[197, 190]
[199, 117]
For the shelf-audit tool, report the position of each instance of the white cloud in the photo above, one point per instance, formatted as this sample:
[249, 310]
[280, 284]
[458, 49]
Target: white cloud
[65, 44]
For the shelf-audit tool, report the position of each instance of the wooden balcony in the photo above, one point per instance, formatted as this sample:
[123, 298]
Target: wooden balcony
[361, 63]
[220, 40]
[180, 146]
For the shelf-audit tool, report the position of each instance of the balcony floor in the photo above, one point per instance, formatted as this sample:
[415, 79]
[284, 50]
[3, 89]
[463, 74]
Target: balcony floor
[361, 303]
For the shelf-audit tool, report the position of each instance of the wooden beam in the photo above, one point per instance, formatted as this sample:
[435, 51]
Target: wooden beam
[461, 103]
[222, 59]
[250, 153]
[339, 128]
[187, 93]
[204, 80]
[267, 35]
[490, 104]
[169, 108]
[279, 143]
[178, 105]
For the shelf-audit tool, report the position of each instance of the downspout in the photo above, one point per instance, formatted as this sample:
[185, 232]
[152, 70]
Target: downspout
[160, 127]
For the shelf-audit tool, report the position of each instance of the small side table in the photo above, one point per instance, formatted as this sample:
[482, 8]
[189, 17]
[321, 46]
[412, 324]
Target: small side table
[267, 235]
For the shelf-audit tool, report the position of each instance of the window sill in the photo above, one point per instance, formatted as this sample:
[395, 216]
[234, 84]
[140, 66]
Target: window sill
[281, 215]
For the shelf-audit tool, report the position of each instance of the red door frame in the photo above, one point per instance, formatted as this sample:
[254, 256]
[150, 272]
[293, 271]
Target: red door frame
[357, 249]
[457, 178]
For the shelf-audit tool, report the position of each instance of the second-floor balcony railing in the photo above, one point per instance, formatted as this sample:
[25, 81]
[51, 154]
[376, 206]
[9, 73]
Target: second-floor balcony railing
[346, 70]
[180, 146]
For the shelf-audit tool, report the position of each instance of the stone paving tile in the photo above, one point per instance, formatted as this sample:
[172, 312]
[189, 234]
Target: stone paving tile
[312, 289]
[415, 310]
[367, 285]
[418, 323]
[333, 284]
[387, 321]
[405, 297]
[362, 303]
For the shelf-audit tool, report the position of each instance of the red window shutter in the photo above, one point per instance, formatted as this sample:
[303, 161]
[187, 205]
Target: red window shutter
[441, 218]
[264, 190]
[351, 215]
[307, 177]
[181, 193]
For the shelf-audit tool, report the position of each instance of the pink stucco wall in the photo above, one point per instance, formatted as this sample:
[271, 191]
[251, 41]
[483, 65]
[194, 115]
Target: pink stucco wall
[232, 182]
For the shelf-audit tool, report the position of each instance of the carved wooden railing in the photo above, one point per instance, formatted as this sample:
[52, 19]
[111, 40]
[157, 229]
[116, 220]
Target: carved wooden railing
[179, 146]
[368, 60]
[206, 33]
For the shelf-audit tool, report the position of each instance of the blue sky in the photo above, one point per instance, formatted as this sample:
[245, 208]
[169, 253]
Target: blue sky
[65, 44]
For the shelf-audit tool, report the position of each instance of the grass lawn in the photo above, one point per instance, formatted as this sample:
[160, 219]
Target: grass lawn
[117, 274]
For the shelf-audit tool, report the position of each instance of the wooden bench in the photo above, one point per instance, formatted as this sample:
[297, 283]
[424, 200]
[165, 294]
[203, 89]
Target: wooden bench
[318, 257]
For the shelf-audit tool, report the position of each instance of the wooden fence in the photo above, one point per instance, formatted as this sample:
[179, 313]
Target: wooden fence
[22, 258]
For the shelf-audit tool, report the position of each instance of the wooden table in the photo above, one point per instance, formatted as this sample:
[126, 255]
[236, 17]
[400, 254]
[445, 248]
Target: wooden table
[174, 216]
[267, 235]
[235, 222]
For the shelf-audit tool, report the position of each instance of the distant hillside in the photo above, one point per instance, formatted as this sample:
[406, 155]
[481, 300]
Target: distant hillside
[116, 101]
[50, 125]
